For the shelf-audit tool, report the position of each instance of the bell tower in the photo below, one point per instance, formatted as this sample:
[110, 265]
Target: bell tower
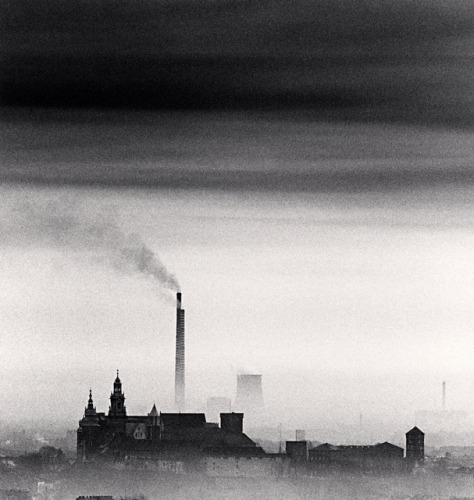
[88, 433]
[90, 408]
[117, 400]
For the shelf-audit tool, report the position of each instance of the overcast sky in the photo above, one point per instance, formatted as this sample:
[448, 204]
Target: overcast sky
[353, 269]
[366, 60]
[303, 169]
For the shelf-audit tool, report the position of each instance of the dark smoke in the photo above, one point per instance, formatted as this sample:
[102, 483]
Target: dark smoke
[69, 227]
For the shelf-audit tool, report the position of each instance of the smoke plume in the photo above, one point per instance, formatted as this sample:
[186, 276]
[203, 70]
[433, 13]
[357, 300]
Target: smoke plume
[65, 226]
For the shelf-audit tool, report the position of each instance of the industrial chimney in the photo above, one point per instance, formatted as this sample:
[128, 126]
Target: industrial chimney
[179, 366]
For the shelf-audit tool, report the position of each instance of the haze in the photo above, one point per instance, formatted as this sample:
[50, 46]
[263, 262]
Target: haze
[303, 169]
[366, 286]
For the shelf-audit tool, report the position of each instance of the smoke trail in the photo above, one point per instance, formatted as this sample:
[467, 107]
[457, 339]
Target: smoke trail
[66, 226]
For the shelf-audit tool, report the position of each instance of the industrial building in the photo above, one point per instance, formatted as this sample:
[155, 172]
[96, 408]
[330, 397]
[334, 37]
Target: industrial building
[378, 457]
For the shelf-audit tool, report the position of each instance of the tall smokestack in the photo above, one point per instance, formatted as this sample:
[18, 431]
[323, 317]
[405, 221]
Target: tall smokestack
[179, 366]
[444, 396]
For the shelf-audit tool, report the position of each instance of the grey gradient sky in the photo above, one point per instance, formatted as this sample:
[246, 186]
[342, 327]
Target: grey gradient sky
[304, 168]
[318, 291]
[408, 61]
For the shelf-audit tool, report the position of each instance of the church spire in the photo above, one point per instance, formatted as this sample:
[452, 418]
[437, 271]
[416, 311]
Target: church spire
[117, 400]
[117, 385]
[90, 409]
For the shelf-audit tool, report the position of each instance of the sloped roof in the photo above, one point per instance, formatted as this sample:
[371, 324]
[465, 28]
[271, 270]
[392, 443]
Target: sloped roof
[331, 447]
[415, 430]
[386, 444]
[326, 446]
[214, 436]
[205, 440]
[153, 412]
[172, 421]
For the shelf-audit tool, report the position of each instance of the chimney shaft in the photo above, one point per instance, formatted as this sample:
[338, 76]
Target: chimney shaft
[180, 359]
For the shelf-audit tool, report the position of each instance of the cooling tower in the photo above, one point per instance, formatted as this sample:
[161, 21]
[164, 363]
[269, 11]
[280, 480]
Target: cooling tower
[249, 397]
[179, 397]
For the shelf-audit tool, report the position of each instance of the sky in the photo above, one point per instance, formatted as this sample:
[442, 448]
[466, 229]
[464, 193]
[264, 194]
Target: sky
[368, 60]
[302, 171]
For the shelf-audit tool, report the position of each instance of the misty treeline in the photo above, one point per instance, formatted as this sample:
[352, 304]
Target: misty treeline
[131, 483]
[326, 487]
[71, 227]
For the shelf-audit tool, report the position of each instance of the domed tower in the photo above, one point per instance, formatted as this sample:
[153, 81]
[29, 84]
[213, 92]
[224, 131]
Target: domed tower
[117, 400]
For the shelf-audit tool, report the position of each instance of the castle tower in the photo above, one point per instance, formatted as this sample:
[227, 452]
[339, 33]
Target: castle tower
[415, 447]
[117, 400]
[88, 434]
[90, 408]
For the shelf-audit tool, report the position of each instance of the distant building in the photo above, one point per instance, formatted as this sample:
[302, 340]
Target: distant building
[300, 435]
[96, 497]
[415, 447]
[382, 456]
[297, 450]
[170, 439]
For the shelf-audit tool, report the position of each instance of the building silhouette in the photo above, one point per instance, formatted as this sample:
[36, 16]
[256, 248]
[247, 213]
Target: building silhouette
[96, 497]
[187, 435]
[297, 450]
[415, 447]
[381, 456]
[97, 430]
